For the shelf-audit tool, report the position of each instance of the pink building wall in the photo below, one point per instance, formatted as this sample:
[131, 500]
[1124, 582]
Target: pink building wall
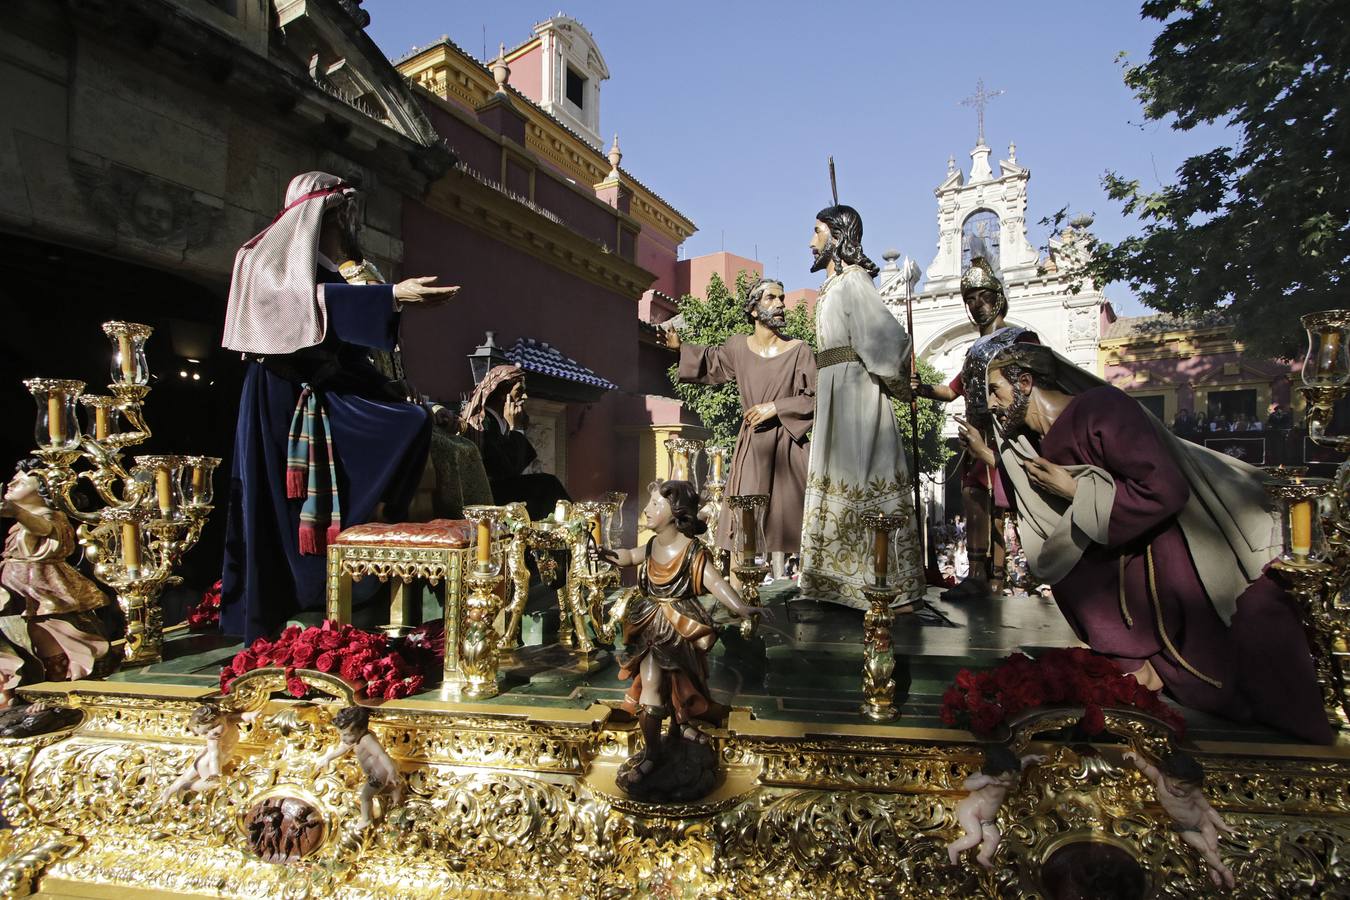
[692, 275]
[517, 295]
[527, 72]
[658, 254]
[800, 296]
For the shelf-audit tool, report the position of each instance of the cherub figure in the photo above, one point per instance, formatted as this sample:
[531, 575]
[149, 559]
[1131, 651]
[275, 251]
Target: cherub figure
[1178, 782]
[354, 734]
[221, 730]
[978, 812]
[667, 631]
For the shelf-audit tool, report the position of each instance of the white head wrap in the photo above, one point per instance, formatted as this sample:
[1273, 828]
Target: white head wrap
[275, 305]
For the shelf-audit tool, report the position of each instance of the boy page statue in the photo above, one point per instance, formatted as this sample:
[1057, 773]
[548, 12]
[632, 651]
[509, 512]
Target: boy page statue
[668, 634]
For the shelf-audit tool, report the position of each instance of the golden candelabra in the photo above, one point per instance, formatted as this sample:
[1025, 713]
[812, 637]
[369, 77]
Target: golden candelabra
[588, 581]
[480, 644]
[750, 559]
[1316, 515]
[713, 506]
[878, 653]
[152, 513]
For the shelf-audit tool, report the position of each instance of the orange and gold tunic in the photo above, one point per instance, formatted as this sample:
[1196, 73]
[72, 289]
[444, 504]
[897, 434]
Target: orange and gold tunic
[667, 622]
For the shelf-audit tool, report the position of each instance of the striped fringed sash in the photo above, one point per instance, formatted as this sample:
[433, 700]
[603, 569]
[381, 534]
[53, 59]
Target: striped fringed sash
[311, 474]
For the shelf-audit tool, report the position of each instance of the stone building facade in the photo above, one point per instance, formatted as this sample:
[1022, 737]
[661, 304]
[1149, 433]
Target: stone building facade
[994, 206]
[144, 141]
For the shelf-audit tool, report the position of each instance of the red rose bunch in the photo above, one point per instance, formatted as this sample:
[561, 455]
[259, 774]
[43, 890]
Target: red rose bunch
[363, 660]
[205, 616]
[1074, 676]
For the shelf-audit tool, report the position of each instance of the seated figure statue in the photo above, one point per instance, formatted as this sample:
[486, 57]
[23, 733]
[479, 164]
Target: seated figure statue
[495, 418]
[324, 439]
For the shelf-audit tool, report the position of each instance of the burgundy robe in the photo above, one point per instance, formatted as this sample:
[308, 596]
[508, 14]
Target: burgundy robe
[772, 458]
[1259, 667]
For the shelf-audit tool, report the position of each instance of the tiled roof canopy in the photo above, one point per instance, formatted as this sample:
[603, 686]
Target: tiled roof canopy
[544, 359]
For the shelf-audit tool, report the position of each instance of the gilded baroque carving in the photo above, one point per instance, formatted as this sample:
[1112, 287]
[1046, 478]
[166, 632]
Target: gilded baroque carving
[496, 801]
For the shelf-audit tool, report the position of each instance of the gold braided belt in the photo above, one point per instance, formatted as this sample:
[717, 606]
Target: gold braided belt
[836, 355]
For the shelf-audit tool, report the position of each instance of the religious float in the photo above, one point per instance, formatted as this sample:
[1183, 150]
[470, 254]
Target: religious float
[857, 755]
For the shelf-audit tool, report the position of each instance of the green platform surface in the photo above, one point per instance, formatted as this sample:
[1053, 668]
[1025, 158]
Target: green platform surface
[804, 666]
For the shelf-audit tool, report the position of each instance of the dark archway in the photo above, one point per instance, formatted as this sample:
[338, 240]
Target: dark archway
[55, 300]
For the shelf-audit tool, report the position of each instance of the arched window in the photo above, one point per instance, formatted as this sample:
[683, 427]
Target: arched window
[982, 222]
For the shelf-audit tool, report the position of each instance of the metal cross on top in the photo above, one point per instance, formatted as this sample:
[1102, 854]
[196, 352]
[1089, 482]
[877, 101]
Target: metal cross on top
[978, 100]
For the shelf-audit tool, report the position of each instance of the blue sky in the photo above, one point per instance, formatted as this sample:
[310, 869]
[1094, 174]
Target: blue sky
[728, 110]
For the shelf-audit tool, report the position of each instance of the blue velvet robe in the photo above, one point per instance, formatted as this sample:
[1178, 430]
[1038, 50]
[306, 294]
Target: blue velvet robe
[380, 442]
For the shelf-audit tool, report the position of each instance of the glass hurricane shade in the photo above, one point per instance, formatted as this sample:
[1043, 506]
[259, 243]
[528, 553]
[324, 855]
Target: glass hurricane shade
[57, 426]
[1327, 363]
[747, 529]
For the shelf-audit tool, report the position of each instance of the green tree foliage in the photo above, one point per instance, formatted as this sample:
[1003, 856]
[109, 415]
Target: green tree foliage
[1259, 231]
[712, 321]
[933, 450]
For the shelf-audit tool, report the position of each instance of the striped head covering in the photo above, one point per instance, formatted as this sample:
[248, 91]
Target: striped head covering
[497, 376]
[275, 305]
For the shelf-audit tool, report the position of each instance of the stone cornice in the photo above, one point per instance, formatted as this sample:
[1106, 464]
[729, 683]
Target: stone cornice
[259, 84]
[446, 71]
[518, 152]
[1218, 337]
[460, 197]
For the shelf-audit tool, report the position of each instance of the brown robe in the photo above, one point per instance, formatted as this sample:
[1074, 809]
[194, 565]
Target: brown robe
[772, 458]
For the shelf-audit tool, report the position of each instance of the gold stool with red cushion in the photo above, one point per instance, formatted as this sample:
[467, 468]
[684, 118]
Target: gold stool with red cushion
[435, 550]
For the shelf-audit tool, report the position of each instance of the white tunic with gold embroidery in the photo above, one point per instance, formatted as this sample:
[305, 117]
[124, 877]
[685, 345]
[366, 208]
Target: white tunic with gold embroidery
[857, 452]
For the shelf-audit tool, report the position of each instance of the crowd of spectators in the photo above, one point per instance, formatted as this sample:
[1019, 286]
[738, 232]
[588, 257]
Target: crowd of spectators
[1198, 426]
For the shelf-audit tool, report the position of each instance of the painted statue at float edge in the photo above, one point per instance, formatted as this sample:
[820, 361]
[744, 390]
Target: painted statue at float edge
[858, 462]
[1155, 548]
[48, 609]
[776, 378]
[668, 635]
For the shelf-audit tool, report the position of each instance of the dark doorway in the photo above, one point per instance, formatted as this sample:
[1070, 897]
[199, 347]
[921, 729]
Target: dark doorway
[1231, 404]
[1153, 404]
[56, 298]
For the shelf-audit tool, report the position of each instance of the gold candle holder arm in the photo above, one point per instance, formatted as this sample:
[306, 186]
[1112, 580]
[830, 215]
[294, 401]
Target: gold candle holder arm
[1320, 402]
[107, 472]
